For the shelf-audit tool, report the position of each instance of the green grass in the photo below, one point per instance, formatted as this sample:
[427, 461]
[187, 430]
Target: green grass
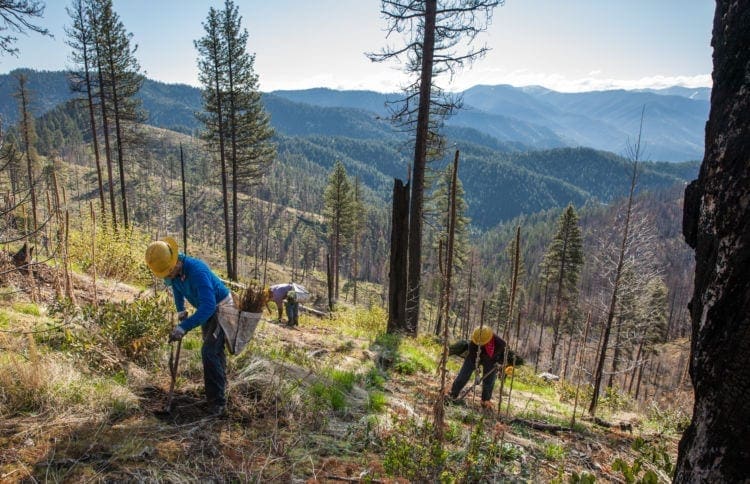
[554, 452]
[343, 379]
[374, 378]
[333, 389]
[329, 395]
[544, 390]
[27, 308]
[410, 356]
[376, 402]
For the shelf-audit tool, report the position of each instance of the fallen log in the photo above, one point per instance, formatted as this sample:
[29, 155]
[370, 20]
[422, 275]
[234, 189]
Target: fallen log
[539, 425]
[313, 311]
[624, 426]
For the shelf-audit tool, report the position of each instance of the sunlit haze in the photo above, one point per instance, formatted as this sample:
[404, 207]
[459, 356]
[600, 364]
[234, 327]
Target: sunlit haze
[575, 45]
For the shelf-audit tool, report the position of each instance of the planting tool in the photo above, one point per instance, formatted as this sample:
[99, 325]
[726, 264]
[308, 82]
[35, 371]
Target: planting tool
[477, 381]
[174, 360]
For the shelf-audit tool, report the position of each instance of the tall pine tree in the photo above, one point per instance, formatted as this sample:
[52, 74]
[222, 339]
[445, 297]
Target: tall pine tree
[564, 259]
[339, 213]
[121, 80]
[234, 117]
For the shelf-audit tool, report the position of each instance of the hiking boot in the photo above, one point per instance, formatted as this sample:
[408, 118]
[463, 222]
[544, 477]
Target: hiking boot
[450, 400]
[487, 404]
[217, 411]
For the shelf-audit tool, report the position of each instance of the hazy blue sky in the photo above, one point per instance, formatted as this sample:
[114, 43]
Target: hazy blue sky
[567, 45]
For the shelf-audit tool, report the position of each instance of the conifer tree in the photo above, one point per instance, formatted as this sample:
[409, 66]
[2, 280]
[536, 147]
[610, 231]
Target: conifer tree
[437, 216]
[16, 16]
[250, 132]
[121, 80]
[234, 117]
[339, 213]
[81, 40]
[563, 260]
[211, 51]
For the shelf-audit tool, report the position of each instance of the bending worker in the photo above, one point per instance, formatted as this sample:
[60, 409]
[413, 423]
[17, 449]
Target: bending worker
[277, 293]
[492, 351]
[191, 279]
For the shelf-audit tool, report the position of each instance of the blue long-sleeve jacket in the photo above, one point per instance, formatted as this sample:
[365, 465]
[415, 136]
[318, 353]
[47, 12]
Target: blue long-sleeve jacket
[201, 287]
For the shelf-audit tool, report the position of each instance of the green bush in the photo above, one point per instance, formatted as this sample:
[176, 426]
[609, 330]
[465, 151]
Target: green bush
[554, 452]
[117, 255]
[412, 453]
[656, 453]
[671, 420]
[137, 329]
[614, 400]
[631, 473]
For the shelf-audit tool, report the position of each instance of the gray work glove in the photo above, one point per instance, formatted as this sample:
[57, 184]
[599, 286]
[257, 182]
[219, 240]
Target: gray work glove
[176, 334]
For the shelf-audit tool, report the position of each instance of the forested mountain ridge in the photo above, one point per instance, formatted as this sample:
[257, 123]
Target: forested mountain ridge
[502, 180]
[542, 118]
[528, 117]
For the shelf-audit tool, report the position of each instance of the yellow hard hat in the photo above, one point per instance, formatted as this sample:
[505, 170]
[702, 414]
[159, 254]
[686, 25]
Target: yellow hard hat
[161, 256]
[481, 336]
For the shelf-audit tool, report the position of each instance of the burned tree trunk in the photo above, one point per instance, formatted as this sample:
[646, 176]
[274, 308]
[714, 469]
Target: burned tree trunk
[399, 249]
[715, 447]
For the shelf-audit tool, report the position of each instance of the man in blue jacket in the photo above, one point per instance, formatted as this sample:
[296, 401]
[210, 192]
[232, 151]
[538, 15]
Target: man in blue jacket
[192, 279]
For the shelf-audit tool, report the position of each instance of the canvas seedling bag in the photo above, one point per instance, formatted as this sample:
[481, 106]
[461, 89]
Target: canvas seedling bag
[239, 327]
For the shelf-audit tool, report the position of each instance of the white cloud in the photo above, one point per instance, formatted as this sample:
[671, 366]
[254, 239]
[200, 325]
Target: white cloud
[562, 83]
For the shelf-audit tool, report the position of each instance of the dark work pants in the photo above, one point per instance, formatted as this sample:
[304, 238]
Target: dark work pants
[214, 362]
[465, 373]
[292, 313]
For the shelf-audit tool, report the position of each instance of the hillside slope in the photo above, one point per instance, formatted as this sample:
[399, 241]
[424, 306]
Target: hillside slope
[334, 400]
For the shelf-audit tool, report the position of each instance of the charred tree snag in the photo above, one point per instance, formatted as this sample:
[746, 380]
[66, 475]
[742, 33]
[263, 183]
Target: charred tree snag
[715, 447]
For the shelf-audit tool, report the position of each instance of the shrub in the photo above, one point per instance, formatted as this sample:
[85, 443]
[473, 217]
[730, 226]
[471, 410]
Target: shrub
[631, 473]
[137, 329]
[554, 452]
[118, 254]
[412, 453]
[673, 420]
[614, 400]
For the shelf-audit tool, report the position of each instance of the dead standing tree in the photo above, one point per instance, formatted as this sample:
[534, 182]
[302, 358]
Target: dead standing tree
[434, 36]
[626, 242]
[715, 447]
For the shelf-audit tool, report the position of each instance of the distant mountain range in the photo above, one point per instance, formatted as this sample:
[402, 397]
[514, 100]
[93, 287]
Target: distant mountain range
[539, 118]
[517, 152]
[517, 118]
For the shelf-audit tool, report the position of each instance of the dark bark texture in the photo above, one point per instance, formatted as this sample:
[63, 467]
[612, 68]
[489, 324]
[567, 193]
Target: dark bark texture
[399, 249]
[716, 447]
